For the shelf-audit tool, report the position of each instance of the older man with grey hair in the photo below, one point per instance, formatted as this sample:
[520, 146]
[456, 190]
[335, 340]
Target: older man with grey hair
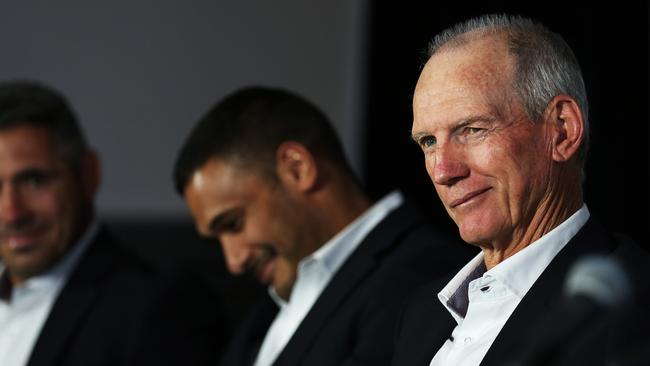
[500, 113]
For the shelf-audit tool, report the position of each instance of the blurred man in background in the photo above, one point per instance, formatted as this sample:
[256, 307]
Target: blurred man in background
[70, 294]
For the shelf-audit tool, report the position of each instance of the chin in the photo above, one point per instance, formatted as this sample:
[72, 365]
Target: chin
[480, 226]
[474, 234]
[471, 239]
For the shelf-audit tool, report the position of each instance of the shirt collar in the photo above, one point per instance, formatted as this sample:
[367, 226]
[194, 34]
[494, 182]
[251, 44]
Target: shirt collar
[61, 270]
[518, 272]
[333, 253]
[454, 295]
[336, 251]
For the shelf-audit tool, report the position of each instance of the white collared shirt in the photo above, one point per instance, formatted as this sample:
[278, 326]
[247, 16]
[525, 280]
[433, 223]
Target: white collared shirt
[492, 296]
[314, 273]
[23, 316]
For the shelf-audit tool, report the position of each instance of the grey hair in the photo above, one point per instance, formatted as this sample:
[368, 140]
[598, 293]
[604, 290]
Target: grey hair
[545, 64]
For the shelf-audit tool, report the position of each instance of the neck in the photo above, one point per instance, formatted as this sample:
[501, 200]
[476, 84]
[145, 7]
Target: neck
[325, 213]
[554, 209]
[345, 205]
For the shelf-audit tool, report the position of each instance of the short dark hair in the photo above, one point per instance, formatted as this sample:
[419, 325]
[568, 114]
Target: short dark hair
[29, 103]
[248, 126]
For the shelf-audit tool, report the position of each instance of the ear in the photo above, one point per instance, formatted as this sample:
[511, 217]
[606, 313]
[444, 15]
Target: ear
[91, 173]
[568, 127]
[296, 166]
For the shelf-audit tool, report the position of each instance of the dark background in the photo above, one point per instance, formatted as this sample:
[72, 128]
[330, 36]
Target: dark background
[140, 73]
[611, 44]
[612, 47]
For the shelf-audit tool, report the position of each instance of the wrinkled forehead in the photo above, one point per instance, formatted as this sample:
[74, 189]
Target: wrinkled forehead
[481, 62]
[466, 82]
[480, 66]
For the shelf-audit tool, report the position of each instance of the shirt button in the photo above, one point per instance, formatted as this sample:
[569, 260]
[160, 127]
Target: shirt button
[468, 339]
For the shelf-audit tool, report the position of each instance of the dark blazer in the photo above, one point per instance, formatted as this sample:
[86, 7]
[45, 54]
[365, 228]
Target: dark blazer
[115, 310]
[425, 324]
[352, 321]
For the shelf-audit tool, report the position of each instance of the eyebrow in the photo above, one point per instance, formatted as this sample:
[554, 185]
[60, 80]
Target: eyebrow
[217, 222]
[456, 125]
[46, 174]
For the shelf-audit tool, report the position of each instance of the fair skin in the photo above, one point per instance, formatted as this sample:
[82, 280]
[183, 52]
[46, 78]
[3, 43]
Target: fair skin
[44, 205]
[503, 179]
[267, 227]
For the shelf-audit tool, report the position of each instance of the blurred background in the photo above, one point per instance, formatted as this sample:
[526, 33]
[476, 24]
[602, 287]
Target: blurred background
[140, 73]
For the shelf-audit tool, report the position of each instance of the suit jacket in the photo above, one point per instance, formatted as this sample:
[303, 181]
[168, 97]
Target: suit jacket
[115, 310]
[353, 320]
[425, 324]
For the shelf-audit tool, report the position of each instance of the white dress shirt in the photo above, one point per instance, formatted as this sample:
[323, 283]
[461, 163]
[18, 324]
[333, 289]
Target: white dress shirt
[482, 301]
[314, 273]
[24, 314]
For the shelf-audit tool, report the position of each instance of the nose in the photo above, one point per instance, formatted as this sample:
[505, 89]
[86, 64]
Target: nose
[446, 165]
[12, 205]
[238, 257]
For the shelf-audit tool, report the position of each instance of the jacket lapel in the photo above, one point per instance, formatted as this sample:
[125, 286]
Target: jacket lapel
[547, 291]
[73, 303]
[355, 269]
[244, 347]
[429, 327]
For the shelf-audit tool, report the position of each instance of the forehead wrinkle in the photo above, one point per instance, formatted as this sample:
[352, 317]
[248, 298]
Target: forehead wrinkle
[473, 79]
[485, 64]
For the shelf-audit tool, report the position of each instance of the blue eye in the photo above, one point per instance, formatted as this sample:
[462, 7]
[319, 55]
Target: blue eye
[427, 141]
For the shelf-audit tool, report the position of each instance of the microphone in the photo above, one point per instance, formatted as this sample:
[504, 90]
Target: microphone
[595, 289]
[600, 279]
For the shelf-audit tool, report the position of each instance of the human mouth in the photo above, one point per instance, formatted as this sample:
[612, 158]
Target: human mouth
[468, 197]
[20, 242]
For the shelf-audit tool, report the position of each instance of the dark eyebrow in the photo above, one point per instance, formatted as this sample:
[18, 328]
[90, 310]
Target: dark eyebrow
[218, 221]
[44, 174]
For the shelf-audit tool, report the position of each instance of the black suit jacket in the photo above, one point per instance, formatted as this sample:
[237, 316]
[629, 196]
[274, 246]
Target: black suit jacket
[352, 321]
[115, 310]
[425, 324]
